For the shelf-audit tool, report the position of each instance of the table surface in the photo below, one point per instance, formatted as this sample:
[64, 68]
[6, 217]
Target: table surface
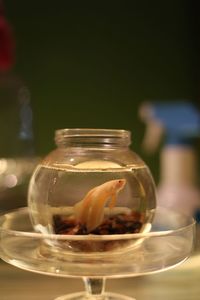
[179, 283]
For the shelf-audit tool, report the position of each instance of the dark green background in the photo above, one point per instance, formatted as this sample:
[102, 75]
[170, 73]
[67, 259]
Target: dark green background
[92, 63]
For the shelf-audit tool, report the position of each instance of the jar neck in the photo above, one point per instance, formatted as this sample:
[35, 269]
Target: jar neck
[92, 138]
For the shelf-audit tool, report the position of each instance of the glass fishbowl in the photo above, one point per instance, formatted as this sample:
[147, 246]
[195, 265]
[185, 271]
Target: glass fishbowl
[92, 214]
[92, 184]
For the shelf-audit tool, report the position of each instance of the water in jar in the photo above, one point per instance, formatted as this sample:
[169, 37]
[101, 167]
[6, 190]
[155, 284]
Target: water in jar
[55, 192]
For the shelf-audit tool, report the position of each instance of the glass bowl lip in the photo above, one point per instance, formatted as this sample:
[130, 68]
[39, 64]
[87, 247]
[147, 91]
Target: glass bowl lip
[91, 237]
[94, 135]
[98, 132]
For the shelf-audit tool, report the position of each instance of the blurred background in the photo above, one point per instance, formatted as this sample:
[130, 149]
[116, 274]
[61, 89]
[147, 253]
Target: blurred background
[93, 63]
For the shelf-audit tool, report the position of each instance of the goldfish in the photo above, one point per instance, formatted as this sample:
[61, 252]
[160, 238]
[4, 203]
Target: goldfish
[90, 210]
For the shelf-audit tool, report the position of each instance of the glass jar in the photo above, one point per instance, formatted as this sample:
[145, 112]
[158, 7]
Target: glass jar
[93, 183]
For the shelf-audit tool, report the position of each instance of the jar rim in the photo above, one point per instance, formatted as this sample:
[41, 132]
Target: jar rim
[121, 134]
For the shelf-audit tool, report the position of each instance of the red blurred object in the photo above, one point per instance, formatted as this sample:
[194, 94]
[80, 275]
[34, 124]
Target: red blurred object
[7, 44]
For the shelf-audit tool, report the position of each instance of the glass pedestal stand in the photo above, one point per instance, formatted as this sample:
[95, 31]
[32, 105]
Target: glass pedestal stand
[95, 258]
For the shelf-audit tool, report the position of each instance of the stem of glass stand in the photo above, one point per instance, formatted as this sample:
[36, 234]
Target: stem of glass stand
[94, 287]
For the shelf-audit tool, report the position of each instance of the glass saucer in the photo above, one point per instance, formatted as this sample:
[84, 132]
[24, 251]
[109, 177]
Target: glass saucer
[93, 257]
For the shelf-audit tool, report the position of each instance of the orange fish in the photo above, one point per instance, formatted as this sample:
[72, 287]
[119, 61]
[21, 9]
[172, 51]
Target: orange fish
[90, 210]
